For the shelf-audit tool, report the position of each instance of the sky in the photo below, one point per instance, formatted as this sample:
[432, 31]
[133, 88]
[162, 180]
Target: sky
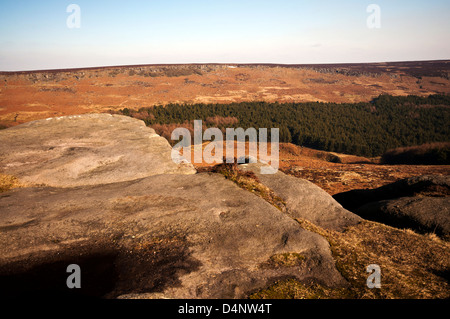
[36, 35]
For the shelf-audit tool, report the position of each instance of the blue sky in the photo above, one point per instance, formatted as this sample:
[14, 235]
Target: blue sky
[34, 34]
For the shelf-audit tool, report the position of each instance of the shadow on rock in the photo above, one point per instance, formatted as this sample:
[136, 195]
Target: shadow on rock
[105, 272]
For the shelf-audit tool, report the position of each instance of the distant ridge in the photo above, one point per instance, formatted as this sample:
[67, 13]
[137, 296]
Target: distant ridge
[415, 68]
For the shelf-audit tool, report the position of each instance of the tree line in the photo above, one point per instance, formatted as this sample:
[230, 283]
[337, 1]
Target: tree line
[365, 129]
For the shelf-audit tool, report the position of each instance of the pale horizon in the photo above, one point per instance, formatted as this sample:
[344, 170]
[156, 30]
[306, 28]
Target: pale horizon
[36, 35]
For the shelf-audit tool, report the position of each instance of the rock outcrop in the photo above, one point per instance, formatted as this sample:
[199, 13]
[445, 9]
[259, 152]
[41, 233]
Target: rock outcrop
[305, 200]
[420, 203]
[423, 214]
[216, 239]
[140, 226]
[85, 149]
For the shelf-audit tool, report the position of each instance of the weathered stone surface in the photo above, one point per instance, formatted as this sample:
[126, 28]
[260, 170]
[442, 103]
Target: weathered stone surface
[85, 150]
[423, 214]
[110, 199]
[306, 200]
[420, 203]
[434, 185]
[182, 236]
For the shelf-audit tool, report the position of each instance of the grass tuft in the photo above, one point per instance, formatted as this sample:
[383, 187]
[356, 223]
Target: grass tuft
[293, 289]
[286, 260]
[8, 182]
[246, 180]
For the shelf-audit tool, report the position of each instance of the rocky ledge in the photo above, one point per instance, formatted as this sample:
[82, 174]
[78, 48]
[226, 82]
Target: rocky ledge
[103, 193]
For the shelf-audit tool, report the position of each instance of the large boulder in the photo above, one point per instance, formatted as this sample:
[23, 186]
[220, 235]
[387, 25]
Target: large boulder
[305, 200]
[422, 214]
[85, 150]
[420, 203]
[176, 236]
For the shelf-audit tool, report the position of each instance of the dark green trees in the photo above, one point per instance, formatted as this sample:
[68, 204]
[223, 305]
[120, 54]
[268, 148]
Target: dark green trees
[366, 129]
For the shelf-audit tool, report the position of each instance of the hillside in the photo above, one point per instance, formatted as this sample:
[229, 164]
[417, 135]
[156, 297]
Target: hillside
[101, 191]
[26, 96]
[336, 173]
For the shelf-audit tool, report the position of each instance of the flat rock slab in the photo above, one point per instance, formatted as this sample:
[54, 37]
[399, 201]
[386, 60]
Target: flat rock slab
[175, 236]
[85, 149]
[305, 200]
[422, 214]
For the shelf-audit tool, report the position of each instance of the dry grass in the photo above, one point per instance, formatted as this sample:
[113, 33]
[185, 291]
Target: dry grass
[247, 181]
[8, 182]
[218, 121]
[413, 266]
[293, 289]
[286, 260]
[165, 130]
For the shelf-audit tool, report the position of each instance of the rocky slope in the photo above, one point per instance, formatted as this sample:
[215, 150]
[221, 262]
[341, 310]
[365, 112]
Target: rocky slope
[103, 193]
[305, 200]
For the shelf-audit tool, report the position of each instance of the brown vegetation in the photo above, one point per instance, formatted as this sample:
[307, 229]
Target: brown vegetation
[413, 266]
[165, 130]
[41, 94]
[245, 180]
[219, 121]
[8, 182]
[352, 172]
